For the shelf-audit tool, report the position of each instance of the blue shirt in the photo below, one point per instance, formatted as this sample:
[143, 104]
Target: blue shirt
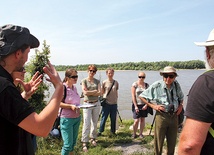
[158, 92]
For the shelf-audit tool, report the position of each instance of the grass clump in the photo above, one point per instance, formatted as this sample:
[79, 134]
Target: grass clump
[107, 144]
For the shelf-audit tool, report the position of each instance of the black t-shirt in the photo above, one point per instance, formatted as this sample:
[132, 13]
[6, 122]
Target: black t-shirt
[200, 106]
[13, 109]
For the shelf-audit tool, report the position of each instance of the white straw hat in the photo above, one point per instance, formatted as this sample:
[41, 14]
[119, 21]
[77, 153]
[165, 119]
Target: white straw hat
[209, 42]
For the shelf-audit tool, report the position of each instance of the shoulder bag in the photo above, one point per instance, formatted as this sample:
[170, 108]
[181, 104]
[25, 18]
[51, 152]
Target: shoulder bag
[103, 100]
[181, 115]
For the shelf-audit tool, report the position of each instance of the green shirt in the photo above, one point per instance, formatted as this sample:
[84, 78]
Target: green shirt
[91, 86]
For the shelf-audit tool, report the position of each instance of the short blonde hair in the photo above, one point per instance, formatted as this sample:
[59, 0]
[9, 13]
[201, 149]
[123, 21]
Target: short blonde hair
[92, 67]
[111, 69]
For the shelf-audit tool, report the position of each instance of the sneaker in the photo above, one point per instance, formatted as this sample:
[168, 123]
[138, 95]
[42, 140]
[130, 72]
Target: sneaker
[99, 134]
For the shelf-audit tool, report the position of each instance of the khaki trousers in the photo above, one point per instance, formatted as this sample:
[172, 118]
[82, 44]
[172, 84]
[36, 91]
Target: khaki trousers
[166, 126]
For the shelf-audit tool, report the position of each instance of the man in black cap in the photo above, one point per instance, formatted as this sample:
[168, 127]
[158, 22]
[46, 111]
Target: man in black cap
[17, 118]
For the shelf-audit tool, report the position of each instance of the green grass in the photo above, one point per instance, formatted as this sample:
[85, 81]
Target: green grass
[105, 144]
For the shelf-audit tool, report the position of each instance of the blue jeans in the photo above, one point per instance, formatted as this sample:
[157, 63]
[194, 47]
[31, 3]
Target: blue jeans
[106, 110]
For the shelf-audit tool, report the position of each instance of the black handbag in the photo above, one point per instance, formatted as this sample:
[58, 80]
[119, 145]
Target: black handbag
[57, 121]
[149, 110]
[103, 100]
[55, 131]
[181, 115]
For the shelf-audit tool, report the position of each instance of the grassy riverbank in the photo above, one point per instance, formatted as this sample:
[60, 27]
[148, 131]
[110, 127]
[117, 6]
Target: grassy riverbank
[107, 144]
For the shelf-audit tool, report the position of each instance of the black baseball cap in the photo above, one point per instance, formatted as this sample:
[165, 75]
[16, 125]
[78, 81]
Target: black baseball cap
[12, 37]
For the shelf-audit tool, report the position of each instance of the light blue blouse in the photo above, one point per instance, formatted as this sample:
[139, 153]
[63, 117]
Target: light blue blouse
[158, 93]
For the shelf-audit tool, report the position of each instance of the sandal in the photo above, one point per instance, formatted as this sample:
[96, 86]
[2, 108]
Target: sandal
[141, 136]
[93, 142]
[134, 136]
[84, 147]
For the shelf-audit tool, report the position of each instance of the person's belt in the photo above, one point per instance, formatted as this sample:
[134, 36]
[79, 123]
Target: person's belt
[169, 113]
[91, 101]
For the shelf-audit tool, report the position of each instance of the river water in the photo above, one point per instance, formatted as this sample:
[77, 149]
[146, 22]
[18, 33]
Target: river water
[125, 78]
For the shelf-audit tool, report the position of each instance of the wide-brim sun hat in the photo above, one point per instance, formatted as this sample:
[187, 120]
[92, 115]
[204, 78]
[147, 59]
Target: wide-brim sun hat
[13, 37]
[168, 69]
[209, 42]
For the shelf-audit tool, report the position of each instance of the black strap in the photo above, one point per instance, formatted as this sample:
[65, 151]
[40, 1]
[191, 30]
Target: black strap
[65, 93]
[179, 102]
[168, 95]
[110, 88]
[63, 100]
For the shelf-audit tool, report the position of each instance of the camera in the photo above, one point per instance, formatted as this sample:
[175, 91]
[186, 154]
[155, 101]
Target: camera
[171, 108]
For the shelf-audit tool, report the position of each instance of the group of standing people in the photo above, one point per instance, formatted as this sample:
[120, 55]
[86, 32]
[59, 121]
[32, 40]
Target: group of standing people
[92, 90]
[70, 112]
[197, 136]
[17, 116]
[166, 98]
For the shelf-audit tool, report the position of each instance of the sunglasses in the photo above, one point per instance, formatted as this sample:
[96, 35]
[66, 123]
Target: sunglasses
[141, 77]
[93, 71]
[167, 75]
[73, 77]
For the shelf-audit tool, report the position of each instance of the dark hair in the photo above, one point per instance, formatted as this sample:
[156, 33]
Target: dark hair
[68, 73]
[24, 47]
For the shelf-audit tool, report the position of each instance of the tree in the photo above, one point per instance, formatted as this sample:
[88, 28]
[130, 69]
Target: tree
[36, 64]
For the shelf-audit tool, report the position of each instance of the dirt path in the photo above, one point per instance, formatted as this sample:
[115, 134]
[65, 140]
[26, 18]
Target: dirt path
[136, 146]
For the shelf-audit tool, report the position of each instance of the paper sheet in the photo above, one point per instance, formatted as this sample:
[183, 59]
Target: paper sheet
[86, 105]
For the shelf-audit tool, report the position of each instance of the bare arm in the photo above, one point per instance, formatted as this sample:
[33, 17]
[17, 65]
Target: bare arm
[41, 124]
[153, 106]
[180, 107]
[69, 106]
[91, 92]
[134, 98]
[192, 137]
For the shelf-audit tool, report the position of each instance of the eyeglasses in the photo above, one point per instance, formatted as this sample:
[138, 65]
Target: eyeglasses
[167, 75]
[141, 77]
[93, 71]
[73, 77]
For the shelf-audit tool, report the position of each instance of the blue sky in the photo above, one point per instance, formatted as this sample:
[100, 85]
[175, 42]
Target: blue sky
[114, 31]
